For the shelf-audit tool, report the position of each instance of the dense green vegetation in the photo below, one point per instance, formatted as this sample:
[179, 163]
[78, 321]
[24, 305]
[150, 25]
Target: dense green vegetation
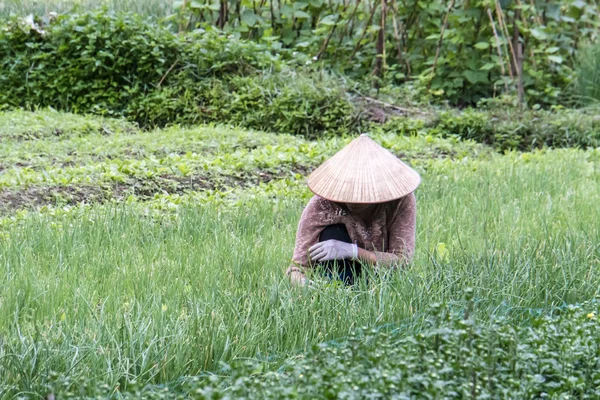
[95, 160]
[125, 66]
[153, 158]
[454, 356]
[122, 65]
[151, 286]
[459, 50]
[505, 127]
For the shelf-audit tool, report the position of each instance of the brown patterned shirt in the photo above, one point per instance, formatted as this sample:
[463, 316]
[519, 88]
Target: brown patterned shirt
[390, 234]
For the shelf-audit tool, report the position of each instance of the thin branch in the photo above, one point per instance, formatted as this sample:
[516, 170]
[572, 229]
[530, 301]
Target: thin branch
[350, 24]
[335, 25]
[182, 12]
[439, 44]
[498, 47]
[363, 32]
[519, 45]
[223, 14]
[272, 11]
[504, 28]
[396, 33]
[535, 14]
[167, 73]
[526, 25]
[380, 60]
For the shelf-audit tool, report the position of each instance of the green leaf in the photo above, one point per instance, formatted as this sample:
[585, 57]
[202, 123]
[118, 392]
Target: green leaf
[539, 34]
[315, 3]
[556, 59]
[482, 45]
[286, 11]
[551, 50]
[301, 14]
[300, 5]
[441, 250]
[328, 20]
[249, 18]
[214, 6]
[488, 66]
[476, 76]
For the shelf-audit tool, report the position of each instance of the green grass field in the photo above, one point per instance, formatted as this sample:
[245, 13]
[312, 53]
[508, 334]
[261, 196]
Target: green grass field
[149, 256]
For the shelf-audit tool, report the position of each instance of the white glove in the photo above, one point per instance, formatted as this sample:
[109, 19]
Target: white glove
[298, 278]
[333, 250]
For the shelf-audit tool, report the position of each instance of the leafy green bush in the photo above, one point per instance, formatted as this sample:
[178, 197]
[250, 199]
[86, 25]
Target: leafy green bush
[508, 128]
[455, 356]
[122, 65]
[288, 102]
[477, 56]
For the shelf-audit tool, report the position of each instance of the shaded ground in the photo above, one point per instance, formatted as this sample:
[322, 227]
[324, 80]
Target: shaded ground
[33, 197]
[380, 112]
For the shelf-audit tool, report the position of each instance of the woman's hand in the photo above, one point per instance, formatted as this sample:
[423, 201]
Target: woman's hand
[298, 278]
[333, 250]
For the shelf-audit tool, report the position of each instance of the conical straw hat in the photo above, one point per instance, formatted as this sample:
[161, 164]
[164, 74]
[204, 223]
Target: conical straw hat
[363, 172]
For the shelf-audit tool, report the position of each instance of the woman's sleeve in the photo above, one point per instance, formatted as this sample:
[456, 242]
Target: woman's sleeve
[309, 229]
[401, 245]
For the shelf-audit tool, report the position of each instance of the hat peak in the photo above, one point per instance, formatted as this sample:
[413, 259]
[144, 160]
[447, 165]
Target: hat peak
[363, 172]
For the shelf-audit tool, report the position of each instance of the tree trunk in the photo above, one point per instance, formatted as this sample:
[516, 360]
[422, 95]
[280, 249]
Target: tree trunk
[222, 14]
[380, 58]
[518, 46]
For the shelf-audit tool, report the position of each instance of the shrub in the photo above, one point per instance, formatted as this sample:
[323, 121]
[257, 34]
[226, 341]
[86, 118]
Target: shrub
[343, 35]
[508, 128]
[122, 65]
[288, 102]
[83, 63]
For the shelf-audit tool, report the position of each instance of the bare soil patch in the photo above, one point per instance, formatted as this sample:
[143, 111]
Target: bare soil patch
[33, 197]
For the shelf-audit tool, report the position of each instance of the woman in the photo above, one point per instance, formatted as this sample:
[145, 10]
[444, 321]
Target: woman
[363, 212]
